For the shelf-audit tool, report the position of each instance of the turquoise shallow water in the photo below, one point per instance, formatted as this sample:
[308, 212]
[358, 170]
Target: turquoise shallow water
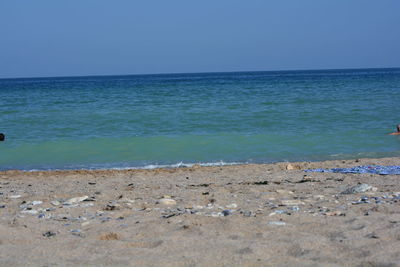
[215, 118]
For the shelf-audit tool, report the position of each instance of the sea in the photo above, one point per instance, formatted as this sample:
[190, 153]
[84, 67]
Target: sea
[177, 120]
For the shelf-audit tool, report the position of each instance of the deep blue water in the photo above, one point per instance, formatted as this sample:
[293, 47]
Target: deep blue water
[143, 120]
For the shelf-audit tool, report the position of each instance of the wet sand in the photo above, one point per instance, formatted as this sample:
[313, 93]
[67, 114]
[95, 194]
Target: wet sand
[247, 215]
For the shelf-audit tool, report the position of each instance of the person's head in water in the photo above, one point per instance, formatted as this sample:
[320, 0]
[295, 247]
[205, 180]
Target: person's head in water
[398, 128]
[2, 137]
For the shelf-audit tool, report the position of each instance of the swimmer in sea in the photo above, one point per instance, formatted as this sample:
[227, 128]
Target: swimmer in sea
[2, 137]
[398, 131]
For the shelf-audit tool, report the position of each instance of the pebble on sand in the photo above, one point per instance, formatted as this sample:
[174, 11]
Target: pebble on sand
[36, 202]
[231, 206]
[358, 189]
[292, 202]
[30, 211]
[55, 203]
[278, 223]
[75, 200]
[289, 167]
[167, 201]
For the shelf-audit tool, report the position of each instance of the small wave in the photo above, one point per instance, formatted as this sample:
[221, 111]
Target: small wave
[180, 165]
[145, 167]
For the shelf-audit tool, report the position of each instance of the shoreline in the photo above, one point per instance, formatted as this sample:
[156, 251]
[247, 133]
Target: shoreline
[297, 165]
[253, 215]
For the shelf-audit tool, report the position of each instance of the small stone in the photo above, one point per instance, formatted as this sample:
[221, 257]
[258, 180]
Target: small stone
[36, 202]
[77, 232]
[75, 200]
[126, 200]
[289, 167]
[55, 203]
[33, 212]
[23, 206]
[226, 212]
[278, 223]
[49, 234]
[2, 206]
[15, 196]
[357, 189]
[170, 214]
[334, 213]
[292, 202]
[167, 202]
[112, 207]
[280, 211]
[247, 213]
[232, 206]
[85, 224]
[372, 235]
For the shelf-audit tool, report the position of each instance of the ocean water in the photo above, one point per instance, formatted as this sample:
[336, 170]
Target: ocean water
[144, 121]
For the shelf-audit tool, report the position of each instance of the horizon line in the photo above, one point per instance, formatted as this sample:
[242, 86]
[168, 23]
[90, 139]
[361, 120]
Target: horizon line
[181, 73]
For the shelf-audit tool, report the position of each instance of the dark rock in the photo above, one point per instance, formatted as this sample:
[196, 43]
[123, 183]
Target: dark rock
[372, 235]
[49, 234]
[169, 215]
[112, 207]
[200, 185]
[226, 212]
[261, 183]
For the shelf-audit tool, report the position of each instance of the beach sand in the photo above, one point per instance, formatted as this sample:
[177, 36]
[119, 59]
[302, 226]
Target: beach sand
[276, 215]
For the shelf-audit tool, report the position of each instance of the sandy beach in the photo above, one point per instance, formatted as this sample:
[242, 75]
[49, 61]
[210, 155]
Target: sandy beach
[247, 215]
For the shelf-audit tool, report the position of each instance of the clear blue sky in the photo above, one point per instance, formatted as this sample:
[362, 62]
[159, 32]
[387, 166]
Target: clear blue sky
[100, 37]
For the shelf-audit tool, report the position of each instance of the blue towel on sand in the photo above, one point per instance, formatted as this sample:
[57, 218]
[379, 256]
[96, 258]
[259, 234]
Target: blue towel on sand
[375, 169]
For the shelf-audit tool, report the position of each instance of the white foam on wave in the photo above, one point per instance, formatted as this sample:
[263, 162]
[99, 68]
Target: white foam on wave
[179, 165]
[145, 167]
